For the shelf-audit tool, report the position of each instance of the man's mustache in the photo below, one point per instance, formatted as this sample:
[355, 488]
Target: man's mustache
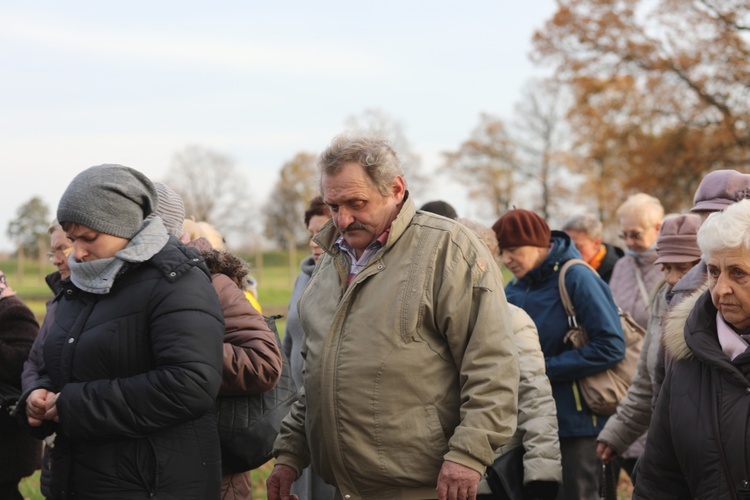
[353, 227]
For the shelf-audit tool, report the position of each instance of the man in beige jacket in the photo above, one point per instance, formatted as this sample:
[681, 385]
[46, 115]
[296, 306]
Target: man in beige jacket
[411, 373]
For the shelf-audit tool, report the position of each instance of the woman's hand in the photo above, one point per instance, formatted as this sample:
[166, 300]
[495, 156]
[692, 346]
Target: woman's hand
[40, 406]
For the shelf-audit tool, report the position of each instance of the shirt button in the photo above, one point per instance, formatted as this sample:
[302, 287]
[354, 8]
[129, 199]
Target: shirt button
[71, 340]
[173, 274]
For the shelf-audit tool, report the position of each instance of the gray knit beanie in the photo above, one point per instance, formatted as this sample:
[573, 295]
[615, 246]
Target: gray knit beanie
[170, 209]
[111, 199]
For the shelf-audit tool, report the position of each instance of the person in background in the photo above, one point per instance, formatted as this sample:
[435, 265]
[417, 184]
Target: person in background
[586, 232]
[537, 416]
[677, 252]
[195, 230]
[440, 207]
[411, 372]
[635, 278]
[309, 486]
[699, 434]
[60, 250]
[251, 358]
[132, 362]
[534, 255]
[20, 454]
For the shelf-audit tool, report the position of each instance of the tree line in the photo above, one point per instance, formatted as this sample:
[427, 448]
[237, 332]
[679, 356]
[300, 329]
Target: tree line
[645, 95]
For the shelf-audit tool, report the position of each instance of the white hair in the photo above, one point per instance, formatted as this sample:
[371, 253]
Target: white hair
[727, 229]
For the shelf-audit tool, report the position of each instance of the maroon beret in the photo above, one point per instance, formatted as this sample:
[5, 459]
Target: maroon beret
[519, 227]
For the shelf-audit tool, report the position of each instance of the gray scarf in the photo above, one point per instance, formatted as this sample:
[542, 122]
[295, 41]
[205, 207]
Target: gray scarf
[98, 276]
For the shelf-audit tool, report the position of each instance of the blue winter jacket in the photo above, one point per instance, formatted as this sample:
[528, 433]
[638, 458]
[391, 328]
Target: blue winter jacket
[539, 295]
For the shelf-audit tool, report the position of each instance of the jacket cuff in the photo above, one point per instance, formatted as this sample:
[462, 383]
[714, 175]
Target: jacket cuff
[466, 460]
[291, 461]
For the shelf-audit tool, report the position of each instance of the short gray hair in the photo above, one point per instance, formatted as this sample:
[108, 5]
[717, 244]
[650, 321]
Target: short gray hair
[374, 153]
[485, 233]
[584, 223]
[725, 230]
[54, 226]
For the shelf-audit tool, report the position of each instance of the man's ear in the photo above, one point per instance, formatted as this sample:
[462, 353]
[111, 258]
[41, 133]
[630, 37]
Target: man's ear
[398, 188]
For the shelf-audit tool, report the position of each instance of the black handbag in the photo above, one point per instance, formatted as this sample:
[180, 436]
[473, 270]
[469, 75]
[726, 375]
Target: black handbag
[248, 425]
[505, 475]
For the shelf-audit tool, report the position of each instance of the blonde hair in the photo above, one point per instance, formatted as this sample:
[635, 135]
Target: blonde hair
[644, 206]
[201, 229]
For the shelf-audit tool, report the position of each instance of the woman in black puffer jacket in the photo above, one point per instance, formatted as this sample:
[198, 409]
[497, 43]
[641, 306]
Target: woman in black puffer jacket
[132, 363]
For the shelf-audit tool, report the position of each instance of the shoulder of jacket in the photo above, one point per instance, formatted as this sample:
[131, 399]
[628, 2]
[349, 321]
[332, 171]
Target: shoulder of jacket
[673, 337]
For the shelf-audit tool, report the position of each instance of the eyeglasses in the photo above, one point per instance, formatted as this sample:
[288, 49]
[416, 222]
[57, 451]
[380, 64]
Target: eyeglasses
[64, 252]
[632, 235]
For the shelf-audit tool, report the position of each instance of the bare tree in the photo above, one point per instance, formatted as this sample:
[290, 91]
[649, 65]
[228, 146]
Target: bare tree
[487, 163]
[379, 122]
[212, 189]
[296, 186]
[540, 131]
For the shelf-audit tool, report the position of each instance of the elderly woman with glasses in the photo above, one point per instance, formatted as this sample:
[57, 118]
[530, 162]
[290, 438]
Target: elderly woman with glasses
[635, 276]
[700, 433]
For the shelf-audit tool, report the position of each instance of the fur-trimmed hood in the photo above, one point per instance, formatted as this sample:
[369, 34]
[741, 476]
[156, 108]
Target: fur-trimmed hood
[673, 337]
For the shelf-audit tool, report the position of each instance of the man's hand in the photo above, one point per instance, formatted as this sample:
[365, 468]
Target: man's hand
[279, 483]
[36, 406]
[605, 452]
[457, 482]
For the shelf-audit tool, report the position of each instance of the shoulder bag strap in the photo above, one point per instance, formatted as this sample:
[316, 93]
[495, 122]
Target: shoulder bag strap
[566, 301]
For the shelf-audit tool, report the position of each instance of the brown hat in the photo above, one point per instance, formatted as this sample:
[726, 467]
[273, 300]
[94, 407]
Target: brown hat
[519, 227]
[719, 189]
[677, 241]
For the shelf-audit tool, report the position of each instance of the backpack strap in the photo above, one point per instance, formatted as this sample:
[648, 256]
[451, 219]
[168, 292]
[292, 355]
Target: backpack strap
[566, 301]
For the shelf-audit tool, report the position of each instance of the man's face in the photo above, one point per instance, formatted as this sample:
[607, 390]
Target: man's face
[637, 234]
[586, 245]
[60, 248]
[359, 211]
[91, 245]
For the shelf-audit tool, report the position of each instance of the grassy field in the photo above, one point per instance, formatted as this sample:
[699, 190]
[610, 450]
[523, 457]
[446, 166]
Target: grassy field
[275, 282]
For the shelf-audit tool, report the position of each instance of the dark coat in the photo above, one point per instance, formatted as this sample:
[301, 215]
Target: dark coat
[608, 262]
[20, 454]
[538, 294]
[137, 371]
[699, 440]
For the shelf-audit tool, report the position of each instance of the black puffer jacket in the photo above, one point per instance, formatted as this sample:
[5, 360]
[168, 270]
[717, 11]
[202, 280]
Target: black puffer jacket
[699, 440]
[138, 370]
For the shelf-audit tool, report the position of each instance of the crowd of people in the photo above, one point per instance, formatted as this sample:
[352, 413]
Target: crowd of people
[418, 365]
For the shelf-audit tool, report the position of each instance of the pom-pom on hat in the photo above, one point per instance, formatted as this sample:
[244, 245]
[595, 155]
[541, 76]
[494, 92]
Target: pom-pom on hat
[519, 227]
[111, 199]
[719, 189]
[678, 239]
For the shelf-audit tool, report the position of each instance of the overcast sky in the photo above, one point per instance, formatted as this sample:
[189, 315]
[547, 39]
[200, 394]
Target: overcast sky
[85, 83]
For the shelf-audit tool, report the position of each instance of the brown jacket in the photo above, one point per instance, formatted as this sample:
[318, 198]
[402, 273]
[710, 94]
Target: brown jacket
[252, 361]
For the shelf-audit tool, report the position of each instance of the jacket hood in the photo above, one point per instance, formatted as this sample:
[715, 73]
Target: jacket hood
[307, 265]
[561, 251]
